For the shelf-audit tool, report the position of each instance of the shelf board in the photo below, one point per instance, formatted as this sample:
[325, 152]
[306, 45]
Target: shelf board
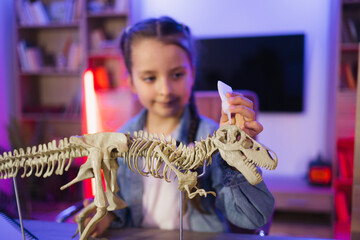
[50, 72]
[348, 93]
[52, 117]
[105, 53]
[50, 26]
[108, 14]
[349, 47]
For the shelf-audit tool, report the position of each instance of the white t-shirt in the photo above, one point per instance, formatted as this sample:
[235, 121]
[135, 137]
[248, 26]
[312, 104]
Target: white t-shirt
[161, 202]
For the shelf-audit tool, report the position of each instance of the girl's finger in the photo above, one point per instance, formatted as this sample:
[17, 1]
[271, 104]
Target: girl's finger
[253, 127]
[246, 112]
[239, 99]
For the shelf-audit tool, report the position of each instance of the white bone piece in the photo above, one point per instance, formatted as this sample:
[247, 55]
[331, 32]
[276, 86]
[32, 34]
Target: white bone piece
[223, 89]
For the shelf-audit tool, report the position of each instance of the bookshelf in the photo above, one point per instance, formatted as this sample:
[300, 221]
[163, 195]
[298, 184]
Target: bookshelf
[56, 40]
[346, 94]
[346, 113]
[48, 68]
[350, 37]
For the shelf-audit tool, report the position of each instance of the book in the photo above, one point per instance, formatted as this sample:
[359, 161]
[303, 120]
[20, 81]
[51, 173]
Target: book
[78, 9]
[12, 229]
[74, 56]
[346, 36]
[24, 64]
[34, 57]
[40, 13]
[353, 30]
[349, 76]
[30, 20]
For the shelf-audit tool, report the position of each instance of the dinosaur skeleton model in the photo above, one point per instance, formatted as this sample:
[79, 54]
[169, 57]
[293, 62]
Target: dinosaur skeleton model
[144, 154]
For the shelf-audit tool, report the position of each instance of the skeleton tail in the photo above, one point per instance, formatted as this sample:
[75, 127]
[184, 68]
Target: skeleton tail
[141, 157]
[46, 156]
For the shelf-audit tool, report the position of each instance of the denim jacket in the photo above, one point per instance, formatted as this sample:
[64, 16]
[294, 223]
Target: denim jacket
[236, 200]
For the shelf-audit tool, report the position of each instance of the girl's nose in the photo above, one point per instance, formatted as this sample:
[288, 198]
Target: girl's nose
[164, 87]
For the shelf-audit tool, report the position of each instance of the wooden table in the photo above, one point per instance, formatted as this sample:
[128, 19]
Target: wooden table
[61, 231]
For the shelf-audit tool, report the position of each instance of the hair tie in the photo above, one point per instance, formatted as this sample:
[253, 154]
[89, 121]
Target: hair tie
[127, 29]
[185, 27]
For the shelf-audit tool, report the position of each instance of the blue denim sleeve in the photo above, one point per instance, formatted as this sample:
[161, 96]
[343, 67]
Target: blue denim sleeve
[121, 219]
[245, 205]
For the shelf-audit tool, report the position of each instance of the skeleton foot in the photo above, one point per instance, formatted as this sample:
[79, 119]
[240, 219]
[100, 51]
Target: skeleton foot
[100, 214]
[80, 219]
[201, 192]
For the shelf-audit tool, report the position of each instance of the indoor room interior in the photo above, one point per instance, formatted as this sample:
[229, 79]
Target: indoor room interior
[62, 74]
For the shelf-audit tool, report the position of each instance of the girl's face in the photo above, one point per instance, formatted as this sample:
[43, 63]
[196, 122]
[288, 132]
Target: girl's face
[162, 77]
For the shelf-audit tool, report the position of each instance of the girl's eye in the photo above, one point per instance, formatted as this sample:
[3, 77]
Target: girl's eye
[178, 75]
[149, 79]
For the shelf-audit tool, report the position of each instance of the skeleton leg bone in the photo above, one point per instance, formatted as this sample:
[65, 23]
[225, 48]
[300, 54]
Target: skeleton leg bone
[85, 172]
[109, 168]
[92, 168]
[80, 219]
[100, 200]
[100, 214]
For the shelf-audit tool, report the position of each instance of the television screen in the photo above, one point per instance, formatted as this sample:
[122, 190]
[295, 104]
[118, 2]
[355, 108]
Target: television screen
[271, 66]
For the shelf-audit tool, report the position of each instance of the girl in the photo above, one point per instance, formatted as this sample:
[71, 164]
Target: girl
[159, 56]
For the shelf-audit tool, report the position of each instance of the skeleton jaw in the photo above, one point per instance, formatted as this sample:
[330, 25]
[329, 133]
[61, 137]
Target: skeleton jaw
[259, 156]
[252, 174]
[268, 162]
[238, 160]
[242, 152]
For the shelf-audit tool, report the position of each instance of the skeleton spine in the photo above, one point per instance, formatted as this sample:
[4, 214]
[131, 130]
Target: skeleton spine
[42, 160]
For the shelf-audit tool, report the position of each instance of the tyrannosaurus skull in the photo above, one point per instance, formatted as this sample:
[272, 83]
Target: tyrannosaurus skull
[243, 153]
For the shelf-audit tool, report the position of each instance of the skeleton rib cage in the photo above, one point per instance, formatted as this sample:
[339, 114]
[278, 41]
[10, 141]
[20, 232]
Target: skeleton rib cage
[141, 157]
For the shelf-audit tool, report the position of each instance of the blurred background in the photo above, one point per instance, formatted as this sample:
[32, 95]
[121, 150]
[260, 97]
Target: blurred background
[299, 57]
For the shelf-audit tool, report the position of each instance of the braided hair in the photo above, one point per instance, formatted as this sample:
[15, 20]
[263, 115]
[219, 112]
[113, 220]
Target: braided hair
[195, 119]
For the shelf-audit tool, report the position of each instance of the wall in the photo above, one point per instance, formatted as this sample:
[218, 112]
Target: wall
[296, 138]
[6, 73]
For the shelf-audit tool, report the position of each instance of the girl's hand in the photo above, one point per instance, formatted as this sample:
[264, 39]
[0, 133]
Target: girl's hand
[242, 114]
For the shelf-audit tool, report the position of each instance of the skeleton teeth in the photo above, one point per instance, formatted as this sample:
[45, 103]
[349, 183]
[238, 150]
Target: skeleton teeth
[162, 137]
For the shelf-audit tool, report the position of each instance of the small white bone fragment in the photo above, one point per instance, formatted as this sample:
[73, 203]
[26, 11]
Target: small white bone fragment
[223, 89]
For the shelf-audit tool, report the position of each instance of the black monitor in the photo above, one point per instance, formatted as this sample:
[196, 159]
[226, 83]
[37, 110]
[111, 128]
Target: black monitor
[272, 66]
